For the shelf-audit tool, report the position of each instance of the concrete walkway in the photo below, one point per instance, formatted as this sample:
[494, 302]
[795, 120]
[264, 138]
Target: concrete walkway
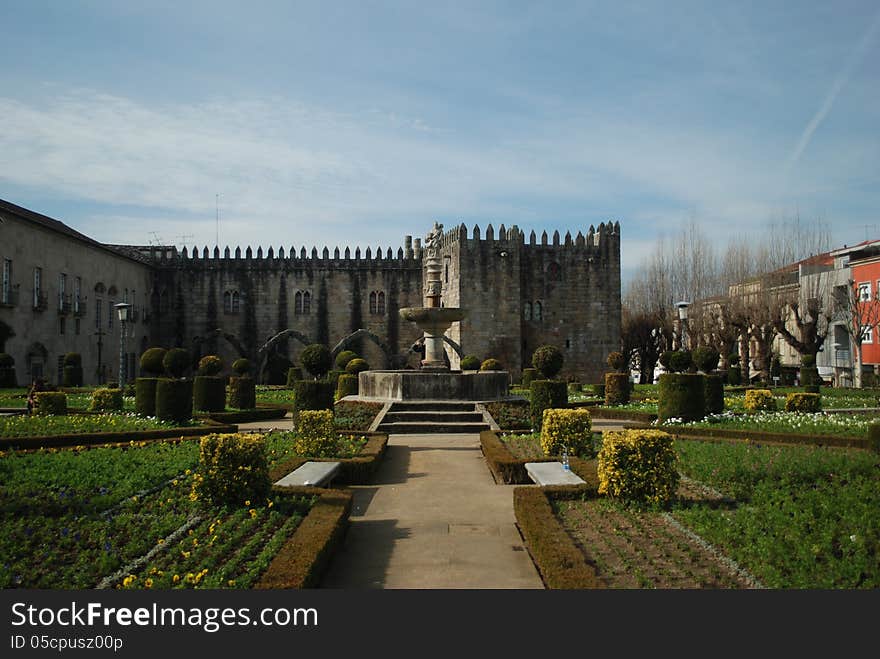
[434, 518]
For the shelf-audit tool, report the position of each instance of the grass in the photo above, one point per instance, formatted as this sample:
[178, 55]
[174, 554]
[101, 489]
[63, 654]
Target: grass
[785, 422]
[528, 446]
[72, 424]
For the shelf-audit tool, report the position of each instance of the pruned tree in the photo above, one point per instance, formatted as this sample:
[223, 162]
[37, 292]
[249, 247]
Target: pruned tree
[862, 313]
[642, 341]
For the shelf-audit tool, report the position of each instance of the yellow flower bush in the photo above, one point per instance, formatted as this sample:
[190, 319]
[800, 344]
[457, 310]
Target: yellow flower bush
[315, 434]
[567, 428]
[797, 402]
[760, 400]
[638, 466]
[233, 468]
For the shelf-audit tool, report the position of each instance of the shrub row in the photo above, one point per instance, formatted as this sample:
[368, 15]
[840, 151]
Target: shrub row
[242, 393]
[760, 400]
[315, 434]
[209, 391]
[796, 402]
[50, 403]
[98, 438]
[561, 564]
[106, 400]
[304, 558]
[245, 416]
[761, 436]
[610, 413]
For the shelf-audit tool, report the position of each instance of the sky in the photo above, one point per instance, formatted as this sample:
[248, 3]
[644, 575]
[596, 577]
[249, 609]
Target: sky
[356, 123]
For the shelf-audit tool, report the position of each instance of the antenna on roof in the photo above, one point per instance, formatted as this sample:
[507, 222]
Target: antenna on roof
[155, 239]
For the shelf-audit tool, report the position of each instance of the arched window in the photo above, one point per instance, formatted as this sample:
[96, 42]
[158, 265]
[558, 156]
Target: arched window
[538, 313]
[298, 303]
[381, 304]
[227, 302]
[527, 311]
[373, 302]
[234, 301]
[307, 302]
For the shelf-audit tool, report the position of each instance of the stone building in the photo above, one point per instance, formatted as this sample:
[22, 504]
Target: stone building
[518, 293]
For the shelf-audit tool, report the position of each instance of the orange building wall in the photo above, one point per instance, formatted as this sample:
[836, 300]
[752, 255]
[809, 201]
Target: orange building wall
[869, 272]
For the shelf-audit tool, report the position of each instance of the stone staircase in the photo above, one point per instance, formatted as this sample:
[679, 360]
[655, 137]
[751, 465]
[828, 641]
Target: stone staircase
[432, 417]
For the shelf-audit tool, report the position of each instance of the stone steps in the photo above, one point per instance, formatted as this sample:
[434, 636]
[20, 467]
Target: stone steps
[440, 417]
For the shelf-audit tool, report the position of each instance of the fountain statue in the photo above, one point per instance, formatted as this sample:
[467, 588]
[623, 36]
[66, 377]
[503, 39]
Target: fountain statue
[433, 318]
[434, 380]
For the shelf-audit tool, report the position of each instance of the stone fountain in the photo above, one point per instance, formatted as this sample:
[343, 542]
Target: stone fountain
[434, 380]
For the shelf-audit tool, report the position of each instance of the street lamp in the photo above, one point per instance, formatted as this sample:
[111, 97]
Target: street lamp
[683, 316]
[122, 310]
[835, 347]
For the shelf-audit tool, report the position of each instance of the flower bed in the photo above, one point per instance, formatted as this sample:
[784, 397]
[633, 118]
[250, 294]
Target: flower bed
[357, 466]
[794, 423]
[355, 416]
[76, 424]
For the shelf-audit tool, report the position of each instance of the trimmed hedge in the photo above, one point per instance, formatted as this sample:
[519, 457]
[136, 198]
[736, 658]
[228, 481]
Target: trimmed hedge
[210, 365]
[559, 560]
[247, 415]
[471, 363]
[312, 395]
[233, 469]
[333, 378]
[316, 436]
[680, 361]
[175, 362]
[49, 403]
[347, 385]
[491, 365]
[151, 362]
[242, 393]
[294, 375]
[344, 357]
[145, 396]
[628, 415]
[106, 400]
[546, 394]
[682, 396]
[209, 393]
[352, 471]
[714, 394]
[706, 358]
[874, 436]
[103, 438]
[528, 374]
[764, 437]
[304, 558]
[241, 366]
[760, 400]
[510, 470]
[7, 372]
[803, 403]
[316, 359]
[599, 389]
[616, 388]
[72, 374]
[734, 375]
[174, 400]
[638, 466]
[355, 366]
[548, 361]
[567, 429]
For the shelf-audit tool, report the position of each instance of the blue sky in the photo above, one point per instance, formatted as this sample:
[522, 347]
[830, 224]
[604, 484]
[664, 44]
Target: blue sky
[355, 123]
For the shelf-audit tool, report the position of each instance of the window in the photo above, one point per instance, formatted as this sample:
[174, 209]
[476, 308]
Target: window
[76, 326]
[234, 301]
[377, 303]
[7, 281]
[98, 310]
[864, 291]
[61, 324]
[38, 283]
[62, 289]
[77, 294]
[302, 303]
[381, 303]
[227, 302]
[867, 334]
[307, 302]
[110, 311]
[527, 311]
[373, 302]
[538, 311]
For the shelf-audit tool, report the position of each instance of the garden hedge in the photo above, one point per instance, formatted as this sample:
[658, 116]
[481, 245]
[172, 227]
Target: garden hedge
[470, 363]
[151, 362]
[312, 395]
[50, 403]
[347, 385]
[210, 365]
[528, 374]
[491, 365]
[145, 396]
[316, 359]
[714, 394]
[7, 372]
[209, 393]
[294, 374]
[803, 402]
[567, 430]
[344, 357]
[546, 394]
[638, 466]
[303, 560]
[616, 389]
[106, 400]
[248, 415]
[763, 437]
[72, 376]
[357, 470]
[548, 361]
[176, 362]
[233, 468]
[510, 470]
[874, 436]
[760, 400]
[355, 366]
[682, 396]
[559, 560]
[241, 366]
[242, 393]
[174, 400]
[101, 438]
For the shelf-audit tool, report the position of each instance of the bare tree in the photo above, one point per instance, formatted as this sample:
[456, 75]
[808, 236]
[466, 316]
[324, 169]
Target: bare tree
[862, 312]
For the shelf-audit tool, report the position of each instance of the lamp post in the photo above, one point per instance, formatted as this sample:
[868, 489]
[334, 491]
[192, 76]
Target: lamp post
[100, 335]
[122, 310]
[835, 347]
[682, 317]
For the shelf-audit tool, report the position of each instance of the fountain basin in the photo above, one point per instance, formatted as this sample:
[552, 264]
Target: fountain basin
[427, 385]
[430, 317]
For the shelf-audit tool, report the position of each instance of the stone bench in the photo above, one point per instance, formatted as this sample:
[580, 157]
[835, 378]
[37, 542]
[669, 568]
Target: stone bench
[552, 473]
[312, 474]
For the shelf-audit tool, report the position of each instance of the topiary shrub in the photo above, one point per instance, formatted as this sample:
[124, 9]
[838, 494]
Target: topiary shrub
[616, 389]
[808, 403]
[714, 394]
[145, 396]
[174, 400]
[569, 429]
[470, 363]
[294, 374]
[209, 393]
[315, 434]
[760, 400]
[617, 361]
[72, 372]
[680, 361]
[491, 365]
[151, 362]
[233, 470]
[106, 400]
[706, 358]
[638, 466]
[548, 361]
[242, 392]
[277, 367]
[356, 366]
[176, 362]
[681, 396]
[312, 395]
[546, 394]
[210, 365]
[316, 359]
[528, 375]
[241, 366]
[333, 377]
[346, 385]
[344, 357]
[7, 371]
[50, 403]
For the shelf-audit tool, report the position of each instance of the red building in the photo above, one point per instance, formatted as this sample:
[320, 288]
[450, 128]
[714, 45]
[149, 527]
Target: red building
[866, 280]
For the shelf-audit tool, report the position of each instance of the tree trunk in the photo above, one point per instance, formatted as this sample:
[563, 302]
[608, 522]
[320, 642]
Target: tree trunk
[857, 365]
[744, 358]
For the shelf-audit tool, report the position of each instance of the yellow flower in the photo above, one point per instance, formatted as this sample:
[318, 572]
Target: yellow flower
[253, 513]
[148, 583]
[248, 502]
[175, 578]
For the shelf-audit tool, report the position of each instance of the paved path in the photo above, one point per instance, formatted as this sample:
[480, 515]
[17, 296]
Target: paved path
[434, 518]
